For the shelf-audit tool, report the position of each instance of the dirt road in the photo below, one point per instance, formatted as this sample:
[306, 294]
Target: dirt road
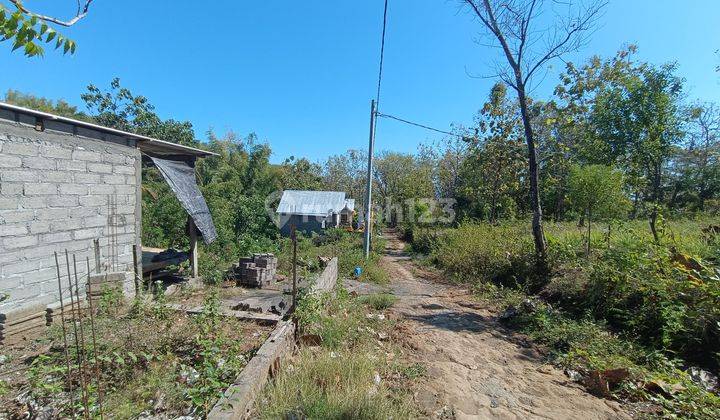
[475, 367]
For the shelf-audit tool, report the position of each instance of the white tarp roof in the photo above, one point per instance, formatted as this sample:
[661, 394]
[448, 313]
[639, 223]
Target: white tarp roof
[311, 203]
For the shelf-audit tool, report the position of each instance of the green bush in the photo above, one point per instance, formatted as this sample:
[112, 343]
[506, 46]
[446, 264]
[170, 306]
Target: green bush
[481, 252]
[379, 301]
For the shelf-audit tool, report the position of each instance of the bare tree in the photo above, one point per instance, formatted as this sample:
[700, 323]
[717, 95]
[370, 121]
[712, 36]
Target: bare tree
[82, 10]
[527, 49]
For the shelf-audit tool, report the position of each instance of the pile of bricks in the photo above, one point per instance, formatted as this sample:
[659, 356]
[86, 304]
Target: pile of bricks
[255, 271]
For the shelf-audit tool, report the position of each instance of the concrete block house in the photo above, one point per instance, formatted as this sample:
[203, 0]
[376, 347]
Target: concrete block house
[65, 184]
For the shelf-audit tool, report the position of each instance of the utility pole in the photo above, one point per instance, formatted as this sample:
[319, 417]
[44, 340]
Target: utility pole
[368, 195]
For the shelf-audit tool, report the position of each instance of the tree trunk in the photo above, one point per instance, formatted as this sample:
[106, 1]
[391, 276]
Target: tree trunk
[589, 224]
[656, 198]
[537, 225]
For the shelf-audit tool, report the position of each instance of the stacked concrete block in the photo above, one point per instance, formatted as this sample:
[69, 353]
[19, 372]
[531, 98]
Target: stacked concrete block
[55, 189]
[255, 271]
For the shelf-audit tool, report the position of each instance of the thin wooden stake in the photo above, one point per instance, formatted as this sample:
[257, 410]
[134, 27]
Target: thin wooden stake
[293, 235]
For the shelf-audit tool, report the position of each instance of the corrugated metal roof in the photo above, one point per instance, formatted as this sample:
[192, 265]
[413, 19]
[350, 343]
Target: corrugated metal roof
[311, 203]
[146, 144]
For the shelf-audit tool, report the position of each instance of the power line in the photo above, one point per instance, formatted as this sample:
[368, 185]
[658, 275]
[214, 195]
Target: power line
[392, 117]
[382, 54]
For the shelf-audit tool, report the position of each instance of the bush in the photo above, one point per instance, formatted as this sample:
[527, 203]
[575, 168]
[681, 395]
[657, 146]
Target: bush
[480, 252]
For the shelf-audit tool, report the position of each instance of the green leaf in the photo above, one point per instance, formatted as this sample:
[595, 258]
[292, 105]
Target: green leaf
[66, 48]
[52, 34]
[72, 47]
[59, 41]
[43, 28]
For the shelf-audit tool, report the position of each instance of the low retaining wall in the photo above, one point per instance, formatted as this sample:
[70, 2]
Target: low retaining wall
[238, 399]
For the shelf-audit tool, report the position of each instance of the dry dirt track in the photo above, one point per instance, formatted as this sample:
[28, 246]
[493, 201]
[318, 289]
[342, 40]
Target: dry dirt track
[475, 368]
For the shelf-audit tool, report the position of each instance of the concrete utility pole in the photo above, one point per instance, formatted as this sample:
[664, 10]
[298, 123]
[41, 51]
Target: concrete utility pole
[368, 195]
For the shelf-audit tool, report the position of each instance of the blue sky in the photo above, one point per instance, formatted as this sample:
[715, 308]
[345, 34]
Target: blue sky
[301, 74]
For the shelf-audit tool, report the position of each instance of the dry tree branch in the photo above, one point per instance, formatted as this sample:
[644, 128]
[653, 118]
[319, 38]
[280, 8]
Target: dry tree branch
[81, 13]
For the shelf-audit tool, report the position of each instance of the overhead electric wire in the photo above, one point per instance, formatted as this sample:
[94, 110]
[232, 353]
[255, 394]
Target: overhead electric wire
[382, 54]
[392, 117]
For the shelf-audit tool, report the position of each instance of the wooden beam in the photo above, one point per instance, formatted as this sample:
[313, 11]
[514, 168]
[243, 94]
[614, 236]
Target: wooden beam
[192, 231]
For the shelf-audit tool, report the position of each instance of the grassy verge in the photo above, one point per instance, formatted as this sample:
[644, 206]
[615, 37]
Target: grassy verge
[353, 373]
[635, 319]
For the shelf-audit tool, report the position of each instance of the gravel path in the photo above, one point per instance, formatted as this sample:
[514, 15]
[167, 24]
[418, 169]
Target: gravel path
[475, 367]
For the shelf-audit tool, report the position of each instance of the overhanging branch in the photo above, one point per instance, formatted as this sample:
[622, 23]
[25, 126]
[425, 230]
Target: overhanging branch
[81, 13]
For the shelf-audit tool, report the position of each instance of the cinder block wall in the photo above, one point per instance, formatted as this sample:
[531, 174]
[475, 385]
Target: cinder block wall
[54, 191]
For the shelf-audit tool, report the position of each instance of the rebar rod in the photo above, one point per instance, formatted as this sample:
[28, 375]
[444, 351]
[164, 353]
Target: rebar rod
[94, 342]
[64, 331]
[74, 321]
[83, 381]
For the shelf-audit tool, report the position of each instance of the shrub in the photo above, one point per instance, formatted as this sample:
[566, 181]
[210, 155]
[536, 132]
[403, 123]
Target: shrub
[379, 301]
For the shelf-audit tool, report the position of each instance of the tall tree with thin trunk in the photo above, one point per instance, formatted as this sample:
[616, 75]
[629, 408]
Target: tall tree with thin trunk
[527, 48]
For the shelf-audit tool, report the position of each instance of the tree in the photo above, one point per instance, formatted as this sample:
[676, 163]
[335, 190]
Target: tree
[637, 116]
[511, 24]
[57, 107]
[28, 29]
[493, 169]
[596, 191]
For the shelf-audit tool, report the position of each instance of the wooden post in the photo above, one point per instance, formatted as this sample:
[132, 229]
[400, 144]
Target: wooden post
[192, 231]
[293, 236]
[135, 270]
[96, 243]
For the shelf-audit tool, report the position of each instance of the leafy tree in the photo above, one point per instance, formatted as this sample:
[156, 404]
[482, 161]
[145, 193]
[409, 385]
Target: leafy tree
[29, 30]
[300, 174]
[57, 107]
[596, 191]
[494, 168]
[526, 49]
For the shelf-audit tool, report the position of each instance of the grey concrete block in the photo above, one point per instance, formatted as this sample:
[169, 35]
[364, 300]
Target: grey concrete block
[19, 242]
[72, 165]
[63, 201]
[34, 202]
[87, 233]
[95, 221]
[18, 148]
[93, 200]
[101, 189]
[66, 224]
[20, 267]
[14, 216]
[73, 189]
[87, 178]
[87, 155]
[11, 188]
[124, 170]
[39, 226]
[19, 176]
[101, 168]
[39, 162]
[114, 179]
[51, 214]
[8, 161]
[40, 189]
[50, 238]
[13, 230]
[56, 151]
[9, 203]
[56, 176]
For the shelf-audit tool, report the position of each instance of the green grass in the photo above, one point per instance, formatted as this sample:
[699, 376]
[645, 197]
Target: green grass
[348, 376]
[379, 301]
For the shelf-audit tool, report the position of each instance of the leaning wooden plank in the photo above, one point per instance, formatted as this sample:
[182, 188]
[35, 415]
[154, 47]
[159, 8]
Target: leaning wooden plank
[239, 397]
[243, 315]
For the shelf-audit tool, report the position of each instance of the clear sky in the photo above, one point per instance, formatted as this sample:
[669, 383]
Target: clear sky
[301, 74]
